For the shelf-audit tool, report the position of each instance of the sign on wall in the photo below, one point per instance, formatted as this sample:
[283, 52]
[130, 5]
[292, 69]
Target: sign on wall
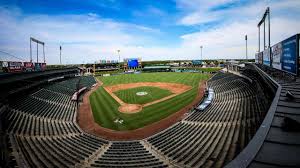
[196, 62]
[15, 66]
[276, 55]
[256, 58]
[266, 57]
[298, 53]
[260, 58]
[37, 66]
[289, 55]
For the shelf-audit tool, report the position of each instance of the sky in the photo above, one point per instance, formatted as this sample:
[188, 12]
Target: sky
[93, 30]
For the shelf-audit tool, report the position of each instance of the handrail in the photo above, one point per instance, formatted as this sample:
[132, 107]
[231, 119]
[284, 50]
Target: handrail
[247, 155]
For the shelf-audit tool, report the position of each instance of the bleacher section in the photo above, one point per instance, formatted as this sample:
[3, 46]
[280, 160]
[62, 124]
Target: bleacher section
[276, 143]
[215, 136]
[127, 154]
[43, 132]
[12, 84]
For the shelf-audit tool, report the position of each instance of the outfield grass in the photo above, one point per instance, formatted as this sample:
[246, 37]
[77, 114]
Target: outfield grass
[105, 108]
[153, 93]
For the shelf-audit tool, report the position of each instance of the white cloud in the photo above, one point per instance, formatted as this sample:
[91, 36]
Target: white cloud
[198, 11]
[226, 40]
[87, 38]
[84, 38]
[197, 18]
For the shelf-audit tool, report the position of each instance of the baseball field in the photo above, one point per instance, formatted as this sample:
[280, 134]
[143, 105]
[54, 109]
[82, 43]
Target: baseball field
[131, 101]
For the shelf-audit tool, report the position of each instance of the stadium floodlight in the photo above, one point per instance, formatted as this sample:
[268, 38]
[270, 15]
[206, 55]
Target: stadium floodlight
[60, 55]
[37, 49]
[201, 47]
[246, 39]
[119, 58]
[263, 21]
[119, 54]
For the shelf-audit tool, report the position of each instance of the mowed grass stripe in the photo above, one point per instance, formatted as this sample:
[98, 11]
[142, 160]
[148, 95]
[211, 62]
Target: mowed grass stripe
[105, 108]
[148, 77]
[153, 93]
[161, 110]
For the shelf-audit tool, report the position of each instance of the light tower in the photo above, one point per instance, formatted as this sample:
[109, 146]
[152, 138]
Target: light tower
[94, 68]
[201, 47]
[60, 55]
[265, 17]
[119, 58]
[246, 39]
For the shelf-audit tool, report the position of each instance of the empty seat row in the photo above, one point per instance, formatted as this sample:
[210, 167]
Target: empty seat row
[57, 151]
[127, 154]
[24, 124]
[213, 137]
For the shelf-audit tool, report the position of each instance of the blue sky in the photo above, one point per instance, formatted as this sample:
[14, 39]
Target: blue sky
[91, 30]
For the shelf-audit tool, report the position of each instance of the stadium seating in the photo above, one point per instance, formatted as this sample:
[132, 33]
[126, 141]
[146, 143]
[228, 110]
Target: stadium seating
[42, 128]
[43, 131]
[127, 154]
[215, 136]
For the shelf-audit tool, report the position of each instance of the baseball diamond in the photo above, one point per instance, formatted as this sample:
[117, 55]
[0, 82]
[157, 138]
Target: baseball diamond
[167, 93]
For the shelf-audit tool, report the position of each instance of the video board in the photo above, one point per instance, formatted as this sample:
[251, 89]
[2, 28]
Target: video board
[132, 62]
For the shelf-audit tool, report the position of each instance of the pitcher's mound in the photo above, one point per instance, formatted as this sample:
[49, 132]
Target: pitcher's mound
[130, 108]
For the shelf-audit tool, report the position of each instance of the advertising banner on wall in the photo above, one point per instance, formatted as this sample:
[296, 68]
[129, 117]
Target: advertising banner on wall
[256, 58]
[266, 57]
[43, 66]
[260, 58]
[37, 66]
[289, 56]
[277, 55]
[196, 62]
[298, 54]
[15, 66]
[28, 66]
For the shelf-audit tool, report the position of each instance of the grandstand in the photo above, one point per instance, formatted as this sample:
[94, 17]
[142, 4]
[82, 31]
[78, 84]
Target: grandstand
[40, 129]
